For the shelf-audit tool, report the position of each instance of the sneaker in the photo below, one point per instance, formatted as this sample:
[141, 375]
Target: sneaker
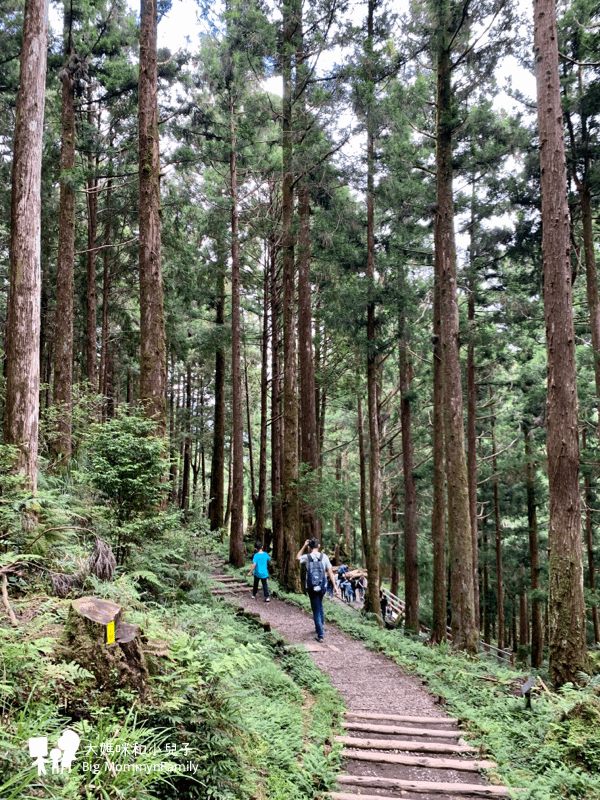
[254, 597]
[319, 638]
[267, 599]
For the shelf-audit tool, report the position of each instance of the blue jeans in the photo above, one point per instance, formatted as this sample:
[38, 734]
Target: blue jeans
[316, 604]
[264, 586]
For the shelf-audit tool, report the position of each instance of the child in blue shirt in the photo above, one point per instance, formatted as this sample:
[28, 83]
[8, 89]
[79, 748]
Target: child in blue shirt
[261, 571]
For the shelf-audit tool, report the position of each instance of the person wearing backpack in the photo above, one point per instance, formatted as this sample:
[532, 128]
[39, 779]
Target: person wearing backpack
[318, 569]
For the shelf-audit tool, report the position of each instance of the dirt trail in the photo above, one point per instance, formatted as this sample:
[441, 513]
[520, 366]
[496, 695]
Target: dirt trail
[372, 684]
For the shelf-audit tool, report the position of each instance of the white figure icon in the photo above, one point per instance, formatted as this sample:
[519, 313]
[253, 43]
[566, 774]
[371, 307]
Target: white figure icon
[38, 748]
[55, 756]
[68, 743]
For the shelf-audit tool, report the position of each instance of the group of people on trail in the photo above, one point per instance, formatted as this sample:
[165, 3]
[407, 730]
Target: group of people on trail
[351, 588]
[320, 580]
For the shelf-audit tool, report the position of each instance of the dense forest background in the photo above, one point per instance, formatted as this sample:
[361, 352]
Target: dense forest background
[329, 306]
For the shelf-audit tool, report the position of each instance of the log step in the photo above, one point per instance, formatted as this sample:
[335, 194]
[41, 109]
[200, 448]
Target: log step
[424, 786]
[458, 764]
[394, 730]
[403, 744]
[399, 718]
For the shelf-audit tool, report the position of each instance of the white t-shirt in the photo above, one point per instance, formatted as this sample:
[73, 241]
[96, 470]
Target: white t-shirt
[324, 559]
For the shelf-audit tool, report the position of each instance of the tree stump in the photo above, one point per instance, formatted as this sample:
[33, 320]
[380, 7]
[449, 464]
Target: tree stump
[96, 638]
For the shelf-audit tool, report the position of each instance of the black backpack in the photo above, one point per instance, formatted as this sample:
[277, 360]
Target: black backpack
[315, 573]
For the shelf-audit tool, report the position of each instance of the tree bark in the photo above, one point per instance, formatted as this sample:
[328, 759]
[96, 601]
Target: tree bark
[60, 447]
[464, 631]
[289, 477]
[236, 535]
[216, 507]
[438, 511]
[261, 499]
[153, 364]
[91, 344]
[537, 631]
[498, 529]
[276, 421]
[567, 643]
[23, 313]
[372, 544]
[411, 552]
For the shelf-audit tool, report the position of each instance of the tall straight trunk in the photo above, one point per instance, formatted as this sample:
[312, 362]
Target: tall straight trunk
[236, 535]
[153, 363]
[309, 452]
[187, 442]
[523, 614]
[438, 511]
[261, 499]
[590, 546]
[91, 357]
[411, 553]
[106, 282]
[172, 453]
[347, 509]
[372, 544]
[498, 530]
[472, 419]
[487, 627]
[289, 476]
[276, 417]
[567, 644]
[22, 343]
[337, 519]
[464, 631]
[249, 431]
[364, 528]
[537, 630]
[216, 507]
[60, 447]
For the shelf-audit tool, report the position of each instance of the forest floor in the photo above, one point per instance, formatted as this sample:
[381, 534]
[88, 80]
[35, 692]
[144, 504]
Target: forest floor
[369, 683]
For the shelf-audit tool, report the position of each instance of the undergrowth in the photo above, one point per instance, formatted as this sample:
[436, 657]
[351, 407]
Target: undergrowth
[231, 713]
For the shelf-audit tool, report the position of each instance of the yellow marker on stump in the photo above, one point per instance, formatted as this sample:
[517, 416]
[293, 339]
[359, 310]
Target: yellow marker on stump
[110, 633]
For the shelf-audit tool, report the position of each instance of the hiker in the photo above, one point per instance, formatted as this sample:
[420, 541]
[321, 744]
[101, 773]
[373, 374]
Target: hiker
[383, 602]
[261, 571]
[361, 585]
[341, 570]
[318, 569]
[346, 590]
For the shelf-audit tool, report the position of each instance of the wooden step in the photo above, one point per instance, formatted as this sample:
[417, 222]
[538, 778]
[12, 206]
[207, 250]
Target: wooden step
[458, 764]
[394, 730]
[404, 744]
[423, 786]
[399, 718]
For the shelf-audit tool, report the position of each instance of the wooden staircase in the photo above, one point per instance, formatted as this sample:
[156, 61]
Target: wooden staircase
[416, 750]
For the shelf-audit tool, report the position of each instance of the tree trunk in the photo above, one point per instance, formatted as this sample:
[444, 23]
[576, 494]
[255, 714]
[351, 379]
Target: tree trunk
[438, 511]
[472, 421]
[261, 499]
[537, 631]
[60, 448]
[187, 442]
[23, 313]
[364, 529]
[216, 507]
[464, 631]
[372, 544]
[153, 364]
[276, 426]
[567, 644]
[590, 546]
[236, 536]
[91, 356]
[498, 529]
[289, 476]
[411, 553]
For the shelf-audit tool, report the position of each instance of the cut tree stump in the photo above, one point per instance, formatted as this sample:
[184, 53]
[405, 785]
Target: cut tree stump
[96, 637]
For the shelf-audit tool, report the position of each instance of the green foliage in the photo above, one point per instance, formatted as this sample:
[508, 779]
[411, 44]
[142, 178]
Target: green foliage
[128, 464]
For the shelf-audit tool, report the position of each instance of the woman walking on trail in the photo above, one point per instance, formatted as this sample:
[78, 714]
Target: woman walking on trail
[261, 571]
[318, 569]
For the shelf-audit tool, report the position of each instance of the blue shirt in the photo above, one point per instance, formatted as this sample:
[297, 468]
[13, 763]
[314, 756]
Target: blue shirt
[261, 559]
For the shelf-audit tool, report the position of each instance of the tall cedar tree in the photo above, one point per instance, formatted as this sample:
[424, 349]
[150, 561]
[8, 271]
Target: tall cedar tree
[63, 330]
[23, 318]
[153, 364]
[567, 629]
[464, 631]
